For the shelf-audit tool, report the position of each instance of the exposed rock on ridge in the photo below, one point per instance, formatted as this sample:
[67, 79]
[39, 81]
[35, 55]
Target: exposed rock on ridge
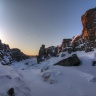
[89, 25]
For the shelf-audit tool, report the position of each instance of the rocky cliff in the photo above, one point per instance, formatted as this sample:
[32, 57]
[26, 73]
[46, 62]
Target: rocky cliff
[89, 25]
[85, 41]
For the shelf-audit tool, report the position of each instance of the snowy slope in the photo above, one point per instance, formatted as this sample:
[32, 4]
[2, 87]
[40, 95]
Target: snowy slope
[47, 80]
[10, 78]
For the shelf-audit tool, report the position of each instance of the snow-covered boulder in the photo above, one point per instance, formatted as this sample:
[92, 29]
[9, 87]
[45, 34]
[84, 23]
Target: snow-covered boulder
[49, 77]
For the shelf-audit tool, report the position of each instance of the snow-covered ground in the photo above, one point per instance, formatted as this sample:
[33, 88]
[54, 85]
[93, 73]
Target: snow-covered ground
[31, 79]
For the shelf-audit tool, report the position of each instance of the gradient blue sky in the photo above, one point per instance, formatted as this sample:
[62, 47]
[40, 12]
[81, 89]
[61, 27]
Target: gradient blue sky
[27, 24]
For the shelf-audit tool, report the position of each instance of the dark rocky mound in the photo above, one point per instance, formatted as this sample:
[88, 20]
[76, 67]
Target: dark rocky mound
[70, 61]
[17, 55]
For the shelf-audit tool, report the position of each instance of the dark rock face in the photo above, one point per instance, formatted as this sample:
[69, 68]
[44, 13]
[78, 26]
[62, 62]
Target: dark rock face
[88, 36]
[42, 51]
[70, 61]
[89, 26]
[66, 43]
[45, 53]
[17, 55]
[52, 51]
[42, 54]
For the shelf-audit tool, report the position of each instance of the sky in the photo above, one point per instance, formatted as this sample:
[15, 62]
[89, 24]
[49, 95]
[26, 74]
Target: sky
[27, 24]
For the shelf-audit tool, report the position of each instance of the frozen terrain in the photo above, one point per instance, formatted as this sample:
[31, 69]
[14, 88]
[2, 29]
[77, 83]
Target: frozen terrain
[31, 79]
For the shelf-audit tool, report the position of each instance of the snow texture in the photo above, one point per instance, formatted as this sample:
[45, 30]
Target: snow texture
[31, 79]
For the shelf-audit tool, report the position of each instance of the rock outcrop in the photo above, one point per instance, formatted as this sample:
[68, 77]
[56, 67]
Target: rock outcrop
[66, 43]
[45, 53]
[76, 41]
[17, 55]
[88, 36]
[7, 55]
[89, 27]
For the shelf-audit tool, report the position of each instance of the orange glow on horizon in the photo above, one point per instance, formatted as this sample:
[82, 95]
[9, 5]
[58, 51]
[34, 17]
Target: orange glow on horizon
[30, 53]
[14, 44]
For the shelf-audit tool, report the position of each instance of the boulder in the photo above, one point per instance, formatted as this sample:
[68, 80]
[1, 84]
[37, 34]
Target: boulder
[11, 92]
[70, 61]
[94, 63]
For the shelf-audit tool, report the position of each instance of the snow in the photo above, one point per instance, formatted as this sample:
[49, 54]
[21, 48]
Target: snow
[31, 79]
[80, 46]
[6, 58]
[75, 38]
[9, 78]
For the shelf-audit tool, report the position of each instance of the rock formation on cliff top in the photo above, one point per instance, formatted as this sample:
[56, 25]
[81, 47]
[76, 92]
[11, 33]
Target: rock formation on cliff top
[89, 25]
